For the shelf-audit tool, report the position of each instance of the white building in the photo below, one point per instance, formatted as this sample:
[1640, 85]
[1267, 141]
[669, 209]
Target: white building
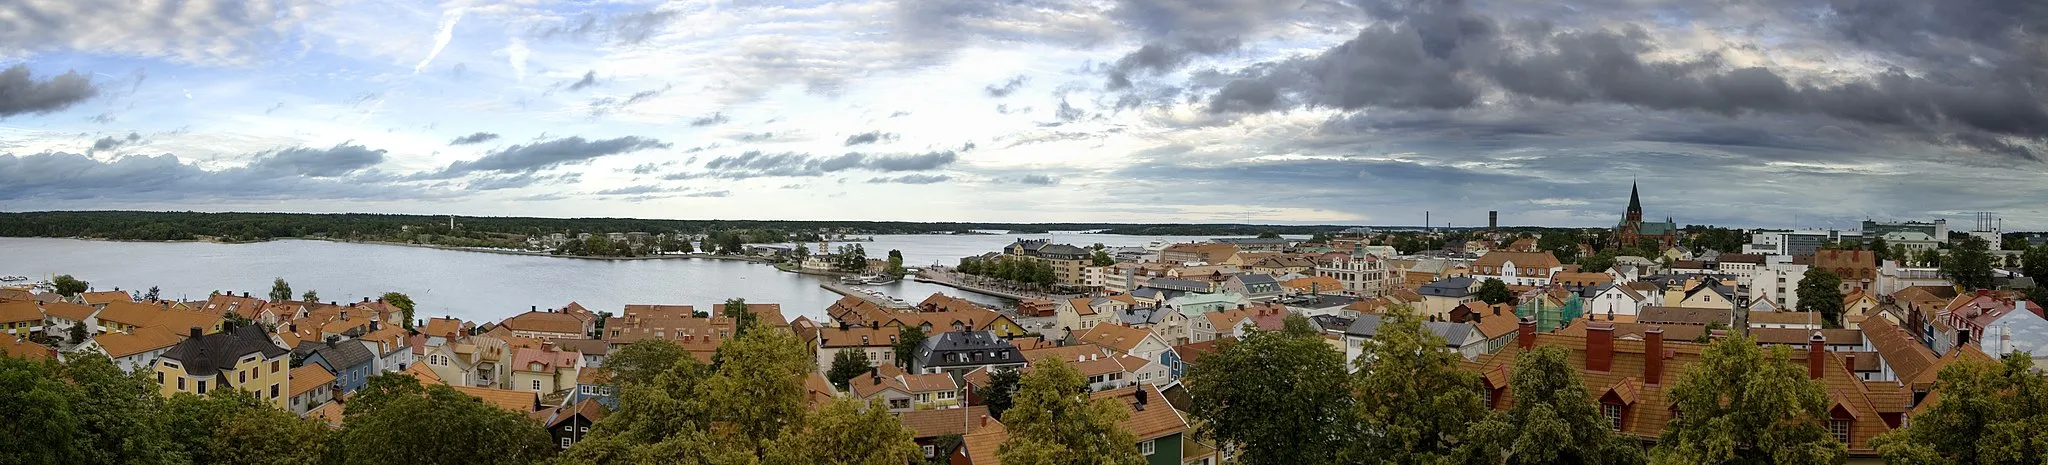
[1362, 273]
[1779, 278]
[1893, 277]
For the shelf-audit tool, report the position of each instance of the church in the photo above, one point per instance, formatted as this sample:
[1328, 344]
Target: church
[1632, 230]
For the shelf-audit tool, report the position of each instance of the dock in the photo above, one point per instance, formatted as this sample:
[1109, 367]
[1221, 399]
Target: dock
[883, 300]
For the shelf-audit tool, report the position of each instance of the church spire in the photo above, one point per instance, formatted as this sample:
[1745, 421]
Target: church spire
[1635, 202]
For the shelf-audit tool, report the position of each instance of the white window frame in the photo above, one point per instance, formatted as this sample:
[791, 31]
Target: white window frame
[929, 451]
[1148, 447]
[566, 442]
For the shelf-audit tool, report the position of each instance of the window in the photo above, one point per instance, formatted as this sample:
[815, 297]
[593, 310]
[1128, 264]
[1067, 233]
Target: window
[585, 429]
[899, 403]
[566, 442]
[159, 378]
[1840, 428]
[273, 367]
[273, 391]
[181, 384]
[202, 386]
[1147, 448]
[242, 376]
[536, 385]
[1613, 412]
[929, 451]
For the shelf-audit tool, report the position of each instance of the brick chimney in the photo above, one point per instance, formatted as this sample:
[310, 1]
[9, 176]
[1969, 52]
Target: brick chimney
[1849, 360]
[196, 332]
[1599, 346]
[1653, 355]
[1526, 336]
[1816, 356]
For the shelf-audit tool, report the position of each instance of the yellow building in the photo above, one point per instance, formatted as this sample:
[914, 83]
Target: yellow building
[243, 358]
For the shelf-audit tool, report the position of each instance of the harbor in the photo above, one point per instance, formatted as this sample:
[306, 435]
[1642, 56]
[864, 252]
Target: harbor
[870, 295]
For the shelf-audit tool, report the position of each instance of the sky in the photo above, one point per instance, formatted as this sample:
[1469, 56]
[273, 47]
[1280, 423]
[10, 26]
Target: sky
[1754, 113]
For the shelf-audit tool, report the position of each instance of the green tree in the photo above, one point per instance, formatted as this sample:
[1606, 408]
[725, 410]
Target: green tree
[153, 295]
[1985, 412]
[1930, 257]
[1101, 258]
[404, 304]
[643, 360]
[1414, 403]
[1969, 264]
[310, 296]
[1598, 262]
[895, 263]
[68, 286]
[1743, 404]
[1554, 419]
[192, 419]
[120, 412]
[2034, 263]
[1001, 393]
[394, 419]
[280, 291]
[77, 333]
[268, 436]
[848, 432]
[1820, 291]
[1284, 397]
[1564, 245]
[743, 319]
[760, 380]
[907, 341]
[2012, 242]
[1269, 235]
[1055, 423]
[847, 365]
[44, 430]
[1880, 250]
[1493, 291]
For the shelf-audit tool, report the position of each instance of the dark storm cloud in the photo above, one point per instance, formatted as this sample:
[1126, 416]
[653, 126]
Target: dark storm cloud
[111, 142]
[1161, 58]
[1442, 55]
[589, 79]
[1038, 179]
[753, 164]
[538, 156]
[477, 138]
[1007, 88]
[87, 182]
[20, 93]
[709, 120]
[319, 163]
[918, 179]
[869, 137]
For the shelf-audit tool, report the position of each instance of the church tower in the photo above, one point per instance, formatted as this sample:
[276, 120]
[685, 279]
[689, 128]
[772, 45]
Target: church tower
[1635, 205]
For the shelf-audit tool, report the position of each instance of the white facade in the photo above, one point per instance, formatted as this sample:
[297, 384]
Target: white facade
[1618, 301]
[1366, 275]
[1891, 277]
[1779, 278]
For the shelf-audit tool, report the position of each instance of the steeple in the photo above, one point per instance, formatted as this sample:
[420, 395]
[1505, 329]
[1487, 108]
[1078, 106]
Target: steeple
[1635, 202]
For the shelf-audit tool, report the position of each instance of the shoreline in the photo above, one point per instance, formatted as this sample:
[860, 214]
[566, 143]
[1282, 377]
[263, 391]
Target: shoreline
[421, 246]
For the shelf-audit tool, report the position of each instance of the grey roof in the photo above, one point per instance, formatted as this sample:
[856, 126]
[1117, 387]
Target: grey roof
[1331, 322]
[217, 352]
[1142, 315]
[1368, 325]
[339, 355]
[1177, 284]
[980, 348]
[1255, 278]
[1320, 301]
[585, 346]
[1063, 250]
[1448, 287]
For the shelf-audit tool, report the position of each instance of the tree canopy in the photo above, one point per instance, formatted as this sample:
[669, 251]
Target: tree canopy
[394, 419]
[1554, 418]
[1744, 404]
[1055, 423]
[1984, 412]
[1494, 291]
[1283, 397]
[68, 286]
[1820, 290]
[1414, 404]
[404, 304]
[847, 365]
[280, 291]
[1968, 264]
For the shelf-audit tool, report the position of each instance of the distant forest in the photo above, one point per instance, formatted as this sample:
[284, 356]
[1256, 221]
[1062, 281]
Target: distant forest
[173, 226]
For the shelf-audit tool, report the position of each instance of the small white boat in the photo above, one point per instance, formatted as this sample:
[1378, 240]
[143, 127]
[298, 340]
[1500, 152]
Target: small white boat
[852, 280]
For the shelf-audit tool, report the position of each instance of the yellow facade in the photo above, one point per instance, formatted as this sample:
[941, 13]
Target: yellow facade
[268, 378]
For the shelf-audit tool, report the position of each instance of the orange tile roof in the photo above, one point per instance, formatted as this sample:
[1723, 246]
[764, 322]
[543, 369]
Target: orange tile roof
[662, 311]
[69, 311]
[20, 348]
[425, 375]
[142, 340]
[101, 297]
[929, 383]
[1119, 338]
[982, 444]
[817, 390]
[20, 310]
[516, 401]
[1526, 263]
[1784, 318]
[1067, 353]
[1314, 284]
[851, 336]
[545, 322]
[442, 327]
[935, 423]
[329, 412]
[1158, 417]
[306, 377]
[1583, 278]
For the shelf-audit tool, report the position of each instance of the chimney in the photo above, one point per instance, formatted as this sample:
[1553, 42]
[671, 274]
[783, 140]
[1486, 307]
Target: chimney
[875, 375]
[196, 331]
[1653, 355]
[1496, 310]
[1816, 353]
[1140, 406]
[1526, 336]
[245, 294]
[1962, 337]
[984, 420]
[1599, 346]
[532, 308]
[1983, 292]
[294, 327]
[1849, 360]
[367, 300]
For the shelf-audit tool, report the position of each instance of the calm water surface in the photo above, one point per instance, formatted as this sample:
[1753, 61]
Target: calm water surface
[480, 286]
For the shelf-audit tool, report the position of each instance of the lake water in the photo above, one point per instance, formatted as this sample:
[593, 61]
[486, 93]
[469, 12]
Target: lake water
[481, 286]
